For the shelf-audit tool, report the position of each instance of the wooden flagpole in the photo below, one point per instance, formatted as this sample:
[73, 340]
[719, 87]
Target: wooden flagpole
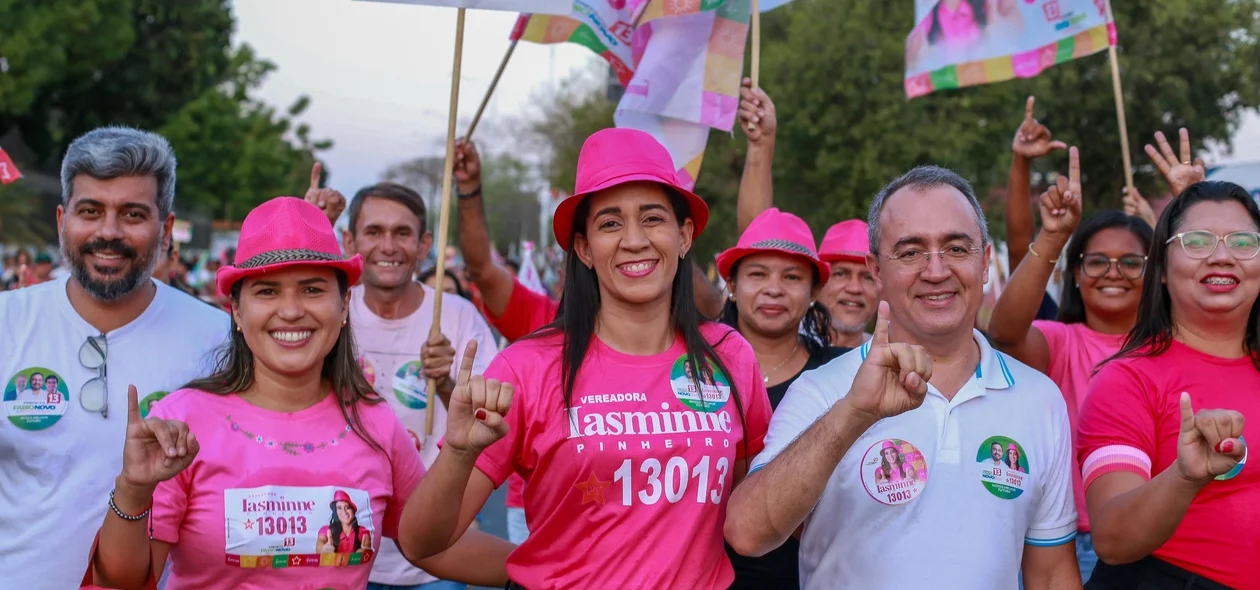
[1124, 130]
[755, 69]
[444, 218]
[490, 91]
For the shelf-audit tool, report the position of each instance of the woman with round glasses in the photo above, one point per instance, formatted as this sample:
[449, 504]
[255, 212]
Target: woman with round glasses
[1106, 257]
[1171, 499]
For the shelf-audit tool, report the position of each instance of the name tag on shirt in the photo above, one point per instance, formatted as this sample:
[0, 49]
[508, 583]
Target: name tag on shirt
[282, 526]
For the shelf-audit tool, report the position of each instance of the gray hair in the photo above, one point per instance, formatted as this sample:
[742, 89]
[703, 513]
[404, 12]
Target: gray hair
[112, 152]
[922, 178]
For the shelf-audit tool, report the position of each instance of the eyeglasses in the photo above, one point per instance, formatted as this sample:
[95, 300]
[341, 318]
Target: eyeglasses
[952, 257]
[94, 396]
[1200, 243]
[1096, 266]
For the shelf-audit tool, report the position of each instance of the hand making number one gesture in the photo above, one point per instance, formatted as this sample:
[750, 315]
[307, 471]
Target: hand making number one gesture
[329, 200]
[893, 379]
[478, 406]
[155, 450]
[1209, 444]
[1061, 204]
[1032, 139]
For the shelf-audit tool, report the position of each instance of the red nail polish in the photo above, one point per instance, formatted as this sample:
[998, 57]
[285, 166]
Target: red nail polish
[480, 414]
[1226, 446]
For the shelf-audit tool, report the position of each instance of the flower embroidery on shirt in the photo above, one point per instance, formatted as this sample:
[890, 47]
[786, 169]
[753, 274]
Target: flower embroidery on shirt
[293, 448]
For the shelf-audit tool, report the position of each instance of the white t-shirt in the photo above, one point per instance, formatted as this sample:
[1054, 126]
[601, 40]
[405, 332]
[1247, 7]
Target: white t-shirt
[59, 461]
[919, 501]
[390, 355]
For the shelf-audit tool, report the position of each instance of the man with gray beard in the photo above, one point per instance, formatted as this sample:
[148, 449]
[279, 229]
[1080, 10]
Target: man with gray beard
[92, 335]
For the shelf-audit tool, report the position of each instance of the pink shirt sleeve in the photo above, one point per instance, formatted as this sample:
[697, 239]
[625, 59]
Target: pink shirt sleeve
[1117, 424]
[407, 471]
[1056, 335]
[170, 498]
[498, 461]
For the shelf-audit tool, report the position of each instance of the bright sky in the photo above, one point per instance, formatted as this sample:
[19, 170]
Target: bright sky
[379, 74]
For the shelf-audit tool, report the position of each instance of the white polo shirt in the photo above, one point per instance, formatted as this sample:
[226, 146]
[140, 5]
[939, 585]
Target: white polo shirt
[919, 500]
[58, 460]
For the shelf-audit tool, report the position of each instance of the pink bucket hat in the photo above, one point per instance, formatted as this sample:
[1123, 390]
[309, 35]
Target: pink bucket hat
[1011, 447]
[341, 496]
[846, 240]
[774, 231]
[616, 156]
[888, 444]
[284, 232]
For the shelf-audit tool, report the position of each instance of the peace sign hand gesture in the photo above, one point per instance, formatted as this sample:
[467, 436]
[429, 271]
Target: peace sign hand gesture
[1032, 139]
[893, 379]
[329, 200]
[155, 450]
[478, 406]
[1209, 443]
[1179, 172]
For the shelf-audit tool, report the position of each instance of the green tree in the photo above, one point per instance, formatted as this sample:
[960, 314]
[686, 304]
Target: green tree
[20, 221]
[511, 193]
[236, 152]
[79, 64]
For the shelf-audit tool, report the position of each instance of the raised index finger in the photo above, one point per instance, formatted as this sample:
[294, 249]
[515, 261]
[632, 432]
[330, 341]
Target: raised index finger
[880, 337]
[1074, 171]
[466, 365]
[317, 171]
[133, 405]
[1028, 108]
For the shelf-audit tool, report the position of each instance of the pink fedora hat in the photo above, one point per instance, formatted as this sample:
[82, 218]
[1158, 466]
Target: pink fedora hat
[775, 231]
[846, 240]
[616, 156]
[284, 232]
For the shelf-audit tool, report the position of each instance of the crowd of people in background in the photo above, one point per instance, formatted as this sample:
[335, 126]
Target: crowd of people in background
[808, 420]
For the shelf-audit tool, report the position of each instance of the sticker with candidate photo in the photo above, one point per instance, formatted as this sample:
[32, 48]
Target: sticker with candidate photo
[410, 387]
[1003, 467]
[712, 394]
[36, 398]
[368, 370]
[146, 404]
[1232, 473]
[894, 471]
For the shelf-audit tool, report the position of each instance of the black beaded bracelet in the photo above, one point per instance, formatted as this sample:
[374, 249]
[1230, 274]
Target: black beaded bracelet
[468, 195]
[123, 516]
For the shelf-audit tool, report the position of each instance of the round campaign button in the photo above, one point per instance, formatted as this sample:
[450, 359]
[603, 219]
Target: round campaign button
[894, 471]
[1004, 467]
[146, 404]
[36, 398]
[711, 394]
[410, 387]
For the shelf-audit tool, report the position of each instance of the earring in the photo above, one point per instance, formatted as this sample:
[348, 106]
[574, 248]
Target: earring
[238, 327]
[343, 323]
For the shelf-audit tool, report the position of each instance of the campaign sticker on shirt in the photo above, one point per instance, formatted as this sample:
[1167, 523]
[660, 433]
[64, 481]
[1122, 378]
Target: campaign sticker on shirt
[36, 398]
[146, 404]
[713, 393]
[1003, 467]
[1232, 473]
[283, 526]
[368, 370]
[894, 471]
[410, 387]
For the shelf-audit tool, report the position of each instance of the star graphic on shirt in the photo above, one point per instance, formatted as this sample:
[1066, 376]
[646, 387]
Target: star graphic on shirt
[592, 489]
[249, 524]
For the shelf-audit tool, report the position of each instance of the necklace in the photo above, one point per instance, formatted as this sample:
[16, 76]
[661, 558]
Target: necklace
[766, 378]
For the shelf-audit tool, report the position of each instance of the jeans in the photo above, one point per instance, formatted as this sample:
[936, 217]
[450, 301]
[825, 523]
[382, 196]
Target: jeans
[438, 585]
[1085, 556]
[517, 529]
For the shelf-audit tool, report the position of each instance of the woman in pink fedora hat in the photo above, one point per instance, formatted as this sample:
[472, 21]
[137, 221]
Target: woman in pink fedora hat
[851, 295]
[773, 275]
[229, 477]
[628, 458]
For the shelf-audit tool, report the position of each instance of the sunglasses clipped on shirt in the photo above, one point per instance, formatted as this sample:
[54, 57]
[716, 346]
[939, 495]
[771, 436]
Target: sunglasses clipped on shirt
[94, 395]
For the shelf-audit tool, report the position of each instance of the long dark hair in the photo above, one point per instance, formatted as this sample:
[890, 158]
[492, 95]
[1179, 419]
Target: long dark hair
[234, 370]
[335, 530]
[1071, 305]
[978, 8]
[580, 303]
[1153, 332]
[816, 323]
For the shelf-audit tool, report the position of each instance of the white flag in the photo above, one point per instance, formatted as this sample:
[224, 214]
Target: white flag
[528, 274]
[564, 7]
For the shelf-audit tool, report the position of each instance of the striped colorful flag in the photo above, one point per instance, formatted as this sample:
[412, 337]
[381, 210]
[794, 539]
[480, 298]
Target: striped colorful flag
[535, 6]
[686, 79]
[8, 172]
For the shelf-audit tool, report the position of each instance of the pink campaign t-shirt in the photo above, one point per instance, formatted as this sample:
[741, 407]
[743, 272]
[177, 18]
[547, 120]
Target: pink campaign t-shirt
[281, 500]
[1074, 352]
[630, 491]
[1131, 422]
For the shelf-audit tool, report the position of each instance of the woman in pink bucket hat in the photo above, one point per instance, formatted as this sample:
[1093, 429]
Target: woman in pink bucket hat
[633, 417]
[773, 275]
[851, 295]
[230, 476]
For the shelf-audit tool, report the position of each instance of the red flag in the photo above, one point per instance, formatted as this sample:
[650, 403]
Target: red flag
[8, 172]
